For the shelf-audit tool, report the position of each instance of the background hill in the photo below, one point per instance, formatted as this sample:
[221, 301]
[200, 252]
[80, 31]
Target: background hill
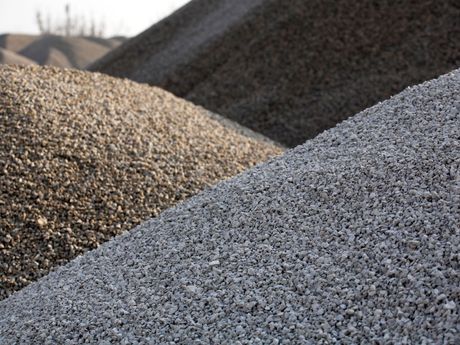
[60, 51]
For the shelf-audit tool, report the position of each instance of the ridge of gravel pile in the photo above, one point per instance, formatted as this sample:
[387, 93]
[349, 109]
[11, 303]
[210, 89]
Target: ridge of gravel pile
[290, 70]
[84, 157]
[350, 238]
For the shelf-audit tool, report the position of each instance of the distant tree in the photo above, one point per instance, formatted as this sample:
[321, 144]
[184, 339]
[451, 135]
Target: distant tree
[71, 25]
[39, 20]
[68, 21]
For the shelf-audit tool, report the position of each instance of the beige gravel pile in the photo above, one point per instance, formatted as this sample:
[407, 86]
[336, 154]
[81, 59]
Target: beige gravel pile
[11, 58]
[60, 51]
[291, 69]
[84, 157]
[78, 51]
[16, 42]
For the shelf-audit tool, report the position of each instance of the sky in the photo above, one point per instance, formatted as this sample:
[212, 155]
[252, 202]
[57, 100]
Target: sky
[126, 18]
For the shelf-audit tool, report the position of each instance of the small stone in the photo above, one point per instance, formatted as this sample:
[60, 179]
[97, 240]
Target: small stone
[193, 289]
[214, 263]
[42, 222]
[450, 305]
[413, 244]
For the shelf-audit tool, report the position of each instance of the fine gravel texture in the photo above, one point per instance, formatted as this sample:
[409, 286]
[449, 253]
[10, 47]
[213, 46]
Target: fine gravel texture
[11, 58]
[351, 238]
[84, 157]
[291, 69]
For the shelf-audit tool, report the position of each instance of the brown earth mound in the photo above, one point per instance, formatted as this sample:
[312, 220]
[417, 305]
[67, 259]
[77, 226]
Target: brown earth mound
[84, 157]
[292, 69]
[11, 58]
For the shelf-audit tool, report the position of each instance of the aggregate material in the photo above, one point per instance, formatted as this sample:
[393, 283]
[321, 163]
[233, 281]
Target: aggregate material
[84, 157]
[351, 238]
[59, 51]
[11, 58]
[291, 69]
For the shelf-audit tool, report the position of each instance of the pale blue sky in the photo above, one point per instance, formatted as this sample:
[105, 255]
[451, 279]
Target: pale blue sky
[126, 18]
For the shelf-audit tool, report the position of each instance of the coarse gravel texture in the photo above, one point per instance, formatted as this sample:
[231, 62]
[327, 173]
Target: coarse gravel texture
[84, 157]
[291, 69]
[351, 238]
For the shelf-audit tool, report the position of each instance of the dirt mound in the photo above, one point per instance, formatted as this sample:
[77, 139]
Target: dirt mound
[84, 157]
[11, 58]
[292, 69]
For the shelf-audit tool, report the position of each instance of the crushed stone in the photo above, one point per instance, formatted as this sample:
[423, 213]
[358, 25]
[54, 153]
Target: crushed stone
[292, 69]
[84, 157]
[351, 238]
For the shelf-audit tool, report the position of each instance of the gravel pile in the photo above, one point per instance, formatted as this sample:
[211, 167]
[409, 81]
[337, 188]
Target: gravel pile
[351, 238]
[16, 42]
[60, 51]
[84, 157]
[292, 69]
[11, 58]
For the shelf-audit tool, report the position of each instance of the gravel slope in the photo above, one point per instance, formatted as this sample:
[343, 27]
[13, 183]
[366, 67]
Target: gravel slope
[84, 157]
[350, 238]
[292, 69]
[158, 51]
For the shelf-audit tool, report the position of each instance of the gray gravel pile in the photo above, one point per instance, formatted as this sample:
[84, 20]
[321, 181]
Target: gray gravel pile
[84, 157]
[351, 238]
[291, 69]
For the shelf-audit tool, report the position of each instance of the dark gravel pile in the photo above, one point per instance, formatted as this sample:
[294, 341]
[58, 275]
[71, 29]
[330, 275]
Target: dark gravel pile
[291, 69]
[351, 238]
[60, 51]
[84, 157]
